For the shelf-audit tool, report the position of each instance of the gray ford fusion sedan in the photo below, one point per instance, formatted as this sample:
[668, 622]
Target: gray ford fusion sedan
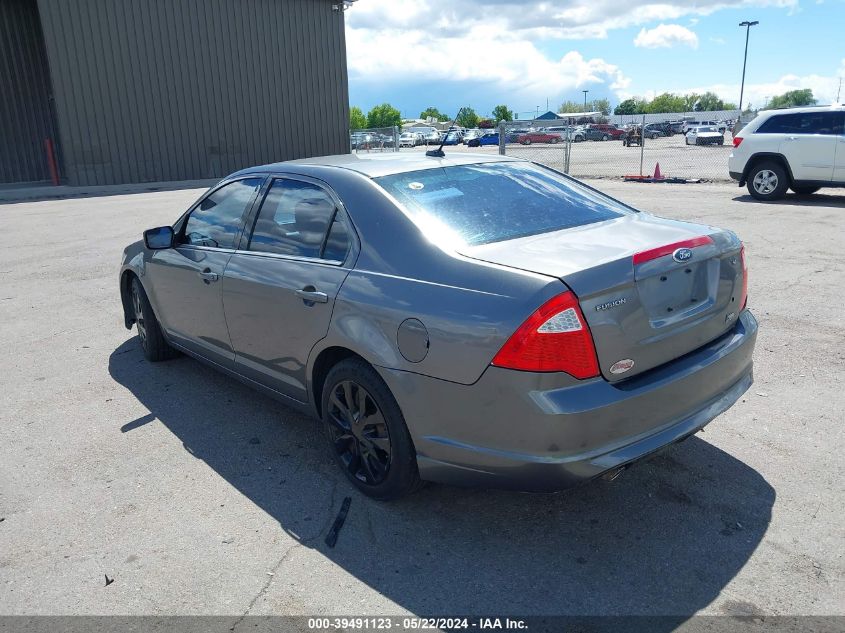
[462, 319]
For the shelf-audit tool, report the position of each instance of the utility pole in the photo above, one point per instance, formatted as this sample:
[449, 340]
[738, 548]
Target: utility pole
[585, 99]
[838, 90]
[747, 26]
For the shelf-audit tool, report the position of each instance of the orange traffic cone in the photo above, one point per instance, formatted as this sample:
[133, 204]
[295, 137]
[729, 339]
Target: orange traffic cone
[657, 174]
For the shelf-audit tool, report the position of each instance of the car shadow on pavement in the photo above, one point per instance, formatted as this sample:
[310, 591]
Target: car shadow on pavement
[663, 539]
[792, 199]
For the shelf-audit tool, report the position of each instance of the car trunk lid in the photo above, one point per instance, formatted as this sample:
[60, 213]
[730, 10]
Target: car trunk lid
[650, 289]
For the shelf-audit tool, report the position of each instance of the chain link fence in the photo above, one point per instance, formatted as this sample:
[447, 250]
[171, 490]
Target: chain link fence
[695, 148]
[636, 145]
[380, 139]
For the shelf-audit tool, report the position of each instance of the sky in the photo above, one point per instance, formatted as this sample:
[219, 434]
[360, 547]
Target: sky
[525, 54]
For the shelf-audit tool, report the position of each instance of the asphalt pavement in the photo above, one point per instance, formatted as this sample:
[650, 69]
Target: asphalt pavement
[196, 495]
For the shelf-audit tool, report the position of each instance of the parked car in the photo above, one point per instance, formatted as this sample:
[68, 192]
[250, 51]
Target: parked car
[606, 332]
[566, 131]
[596, 134]
[489, 138]
[454, 137]
[471, 134]
[433, 138]
[606, 130]
[655, 130]
[691, 123]
[676, 127]
[799, 149]
[704, 135]
[411, 139]
[538, 137]
[362, 140]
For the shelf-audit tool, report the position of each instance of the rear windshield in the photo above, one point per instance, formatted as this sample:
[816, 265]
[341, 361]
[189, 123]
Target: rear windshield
[492, 202]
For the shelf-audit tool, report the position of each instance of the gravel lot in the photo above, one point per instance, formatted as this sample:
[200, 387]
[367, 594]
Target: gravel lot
[610, 159]
[197, 495]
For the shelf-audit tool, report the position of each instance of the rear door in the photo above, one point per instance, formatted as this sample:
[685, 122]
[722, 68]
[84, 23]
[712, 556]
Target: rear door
[185, 280]
[279, 288]
[808, 141]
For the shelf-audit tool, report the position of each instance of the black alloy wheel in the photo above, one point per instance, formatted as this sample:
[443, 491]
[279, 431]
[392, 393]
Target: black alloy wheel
[359, 432]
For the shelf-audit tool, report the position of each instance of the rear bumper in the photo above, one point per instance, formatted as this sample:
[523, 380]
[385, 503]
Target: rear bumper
[736, 175]
[546, 432]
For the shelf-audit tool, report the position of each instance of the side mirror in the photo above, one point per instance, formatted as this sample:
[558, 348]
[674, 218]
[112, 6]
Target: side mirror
[158, 238]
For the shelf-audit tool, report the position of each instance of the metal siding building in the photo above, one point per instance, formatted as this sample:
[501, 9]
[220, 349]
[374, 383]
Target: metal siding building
[166, 90]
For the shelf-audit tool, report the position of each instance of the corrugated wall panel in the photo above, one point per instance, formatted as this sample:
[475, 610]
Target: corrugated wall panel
[184, 89]
[25, 114]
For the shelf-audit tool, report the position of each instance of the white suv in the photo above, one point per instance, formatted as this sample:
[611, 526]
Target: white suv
[802, 149]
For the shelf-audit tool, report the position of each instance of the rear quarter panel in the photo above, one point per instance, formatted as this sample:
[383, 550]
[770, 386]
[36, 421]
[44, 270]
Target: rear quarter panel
[469, 308]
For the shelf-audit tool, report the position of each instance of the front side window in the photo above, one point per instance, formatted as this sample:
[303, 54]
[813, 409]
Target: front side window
[216, 221]
[294, 219]
[492, 202]
[826, 123]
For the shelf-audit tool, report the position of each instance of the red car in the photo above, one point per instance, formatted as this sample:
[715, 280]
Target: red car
[607, 130]
[538, 137]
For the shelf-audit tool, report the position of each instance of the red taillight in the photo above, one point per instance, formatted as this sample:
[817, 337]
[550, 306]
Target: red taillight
[668, 249]
[737, 141]
[743, 299]
[554, 338]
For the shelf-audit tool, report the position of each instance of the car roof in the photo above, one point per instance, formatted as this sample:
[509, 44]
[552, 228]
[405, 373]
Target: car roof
[801, 110]
[383, 164]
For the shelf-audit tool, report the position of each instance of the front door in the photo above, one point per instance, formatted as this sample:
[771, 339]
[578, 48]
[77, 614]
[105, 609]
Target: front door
[279, 289]
[186, 279]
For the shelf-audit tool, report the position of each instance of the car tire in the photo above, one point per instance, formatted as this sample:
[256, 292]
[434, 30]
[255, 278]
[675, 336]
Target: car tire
[605, 137]
[388, 469]
[152, 340]
[554, 141]
[804, 191]
[767, 181]
[526, 142]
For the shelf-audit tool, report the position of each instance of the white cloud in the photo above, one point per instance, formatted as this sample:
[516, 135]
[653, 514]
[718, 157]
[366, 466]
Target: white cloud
[824, 88]
[666, 36]
[574, 19]
[484, 55]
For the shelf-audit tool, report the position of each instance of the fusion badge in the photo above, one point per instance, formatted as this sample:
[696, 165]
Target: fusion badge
[611, 304]
[621, 366]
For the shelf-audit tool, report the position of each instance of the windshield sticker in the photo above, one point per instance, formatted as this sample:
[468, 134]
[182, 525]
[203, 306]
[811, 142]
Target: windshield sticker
[416, 186]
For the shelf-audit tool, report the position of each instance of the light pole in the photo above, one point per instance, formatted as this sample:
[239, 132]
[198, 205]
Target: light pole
[747, 26]
[585, 99]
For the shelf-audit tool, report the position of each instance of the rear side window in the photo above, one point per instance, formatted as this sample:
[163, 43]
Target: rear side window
[828, 123]
[492, 202]
[294, 220]
[216, 221]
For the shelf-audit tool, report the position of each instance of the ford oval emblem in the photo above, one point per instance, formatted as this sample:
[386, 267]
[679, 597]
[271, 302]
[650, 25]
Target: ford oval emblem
[621, 366]
[682, 255]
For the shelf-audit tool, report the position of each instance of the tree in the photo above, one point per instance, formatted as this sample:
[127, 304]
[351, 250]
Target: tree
[384, 115]
[667, 102]
[631, 106]
[709, 102]
[568, 107]
[601, 105]
[793, 99]
[501, 113]
[467, 118]
[434, 113]
[357, 120]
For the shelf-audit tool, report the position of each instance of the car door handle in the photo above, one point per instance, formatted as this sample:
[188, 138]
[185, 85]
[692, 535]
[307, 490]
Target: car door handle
[791, 138]
[207, 276]
[311, 294]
